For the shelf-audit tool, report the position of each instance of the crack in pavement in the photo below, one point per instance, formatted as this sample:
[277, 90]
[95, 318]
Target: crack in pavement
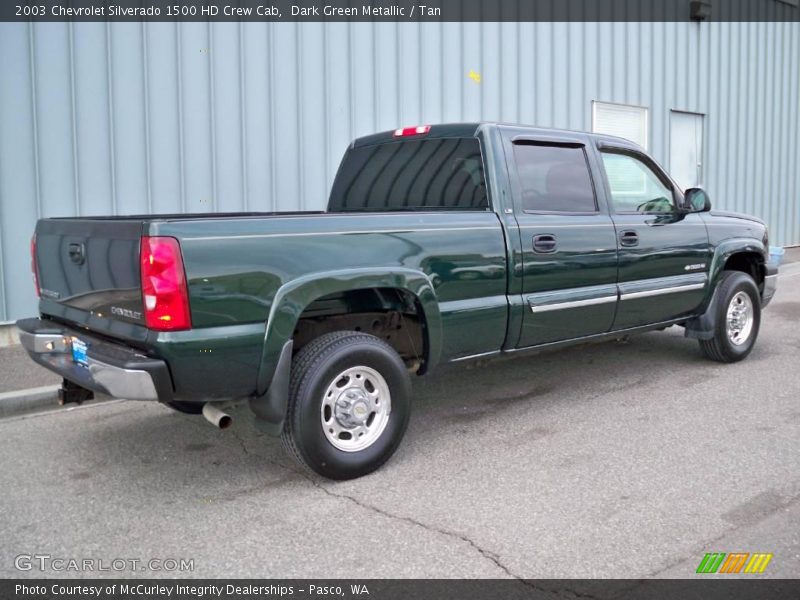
[488, 555]
[494, 558]
[491, 556]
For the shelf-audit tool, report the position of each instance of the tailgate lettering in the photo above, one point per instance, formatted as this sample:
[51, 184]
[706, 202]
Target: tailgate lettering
[126, 312]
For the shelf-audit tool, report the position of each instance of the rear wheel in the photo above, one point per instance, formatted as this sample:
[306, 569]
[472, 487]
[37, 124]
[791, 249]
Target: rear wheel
[349, 404]
[737, 320]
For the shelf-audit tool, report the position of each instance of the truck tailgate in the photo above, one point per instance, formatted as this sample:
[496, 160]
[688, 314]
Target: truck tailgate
[88, 270]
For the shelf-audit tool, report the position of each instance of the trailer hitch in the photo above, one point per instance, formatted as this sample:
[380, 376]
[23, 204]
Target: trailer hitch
[72, 393]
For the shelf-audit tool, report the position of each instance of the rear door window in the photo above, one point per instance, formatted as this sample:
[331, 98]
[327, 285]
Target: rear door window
[554, 178]
[432, 174]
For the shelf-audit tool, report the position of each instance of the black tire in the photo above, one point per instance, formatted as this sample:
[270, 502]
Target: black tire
[720, 347]
[187, 408]
[313, 371]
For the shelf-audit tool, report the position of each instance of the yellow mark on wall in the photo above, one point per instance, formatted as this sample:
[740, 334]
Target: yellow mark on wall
[475, 76]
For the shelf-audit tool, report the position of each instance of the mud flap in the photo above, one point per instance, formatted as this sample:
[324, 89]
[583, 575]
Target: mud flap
[702, 326]
[270, 408]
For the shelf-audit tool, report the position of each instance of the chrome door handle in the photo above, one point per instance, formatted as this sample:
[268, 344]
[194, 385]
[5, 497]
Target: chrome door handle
[544, 243]
[628, 238]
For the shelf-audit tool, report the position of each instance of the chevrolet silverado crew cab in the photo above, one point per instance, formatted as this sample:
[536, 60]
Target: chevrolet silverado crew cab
[440, 244]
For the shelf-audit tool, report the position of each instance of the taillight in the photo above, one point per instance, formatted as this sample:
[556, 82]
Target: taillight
[34, 268]
[164, 290]
[407, 131]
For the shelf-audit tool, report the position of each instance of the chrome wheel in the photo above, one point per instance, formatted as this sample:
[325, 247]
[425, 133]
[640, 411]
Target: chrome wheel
[355, 409]
[740, 318]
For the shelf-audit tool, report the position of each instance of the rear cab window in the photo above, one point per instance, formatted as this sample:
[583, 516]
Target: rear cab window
[436, 174]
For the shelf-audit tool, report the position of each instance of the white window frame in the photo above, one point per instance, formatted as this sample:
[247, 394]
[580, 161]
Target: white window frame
[643, 109]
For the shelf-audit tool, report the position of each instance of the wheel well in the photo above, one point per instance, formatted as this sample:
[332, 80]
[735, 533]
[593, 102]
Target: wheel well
[392, 314]
[751, 263]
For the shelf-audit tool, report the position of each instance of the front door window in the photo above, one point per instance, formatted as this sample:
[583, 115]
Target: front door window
[635, 187]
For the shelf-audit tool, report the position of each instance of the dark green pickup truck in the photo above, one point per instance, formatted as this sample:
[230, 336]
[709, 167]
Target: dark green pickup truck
[440, 244]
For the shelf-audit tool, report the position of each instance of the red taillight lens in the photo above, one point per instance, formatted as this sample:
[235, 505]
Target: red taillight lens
[34, 268]
[407, 131]
[164, 290]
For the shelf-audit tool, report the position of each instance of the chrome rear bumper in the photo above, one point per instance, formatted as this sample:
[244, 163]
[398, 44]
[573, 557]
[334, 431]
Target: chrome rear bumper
[112, 369]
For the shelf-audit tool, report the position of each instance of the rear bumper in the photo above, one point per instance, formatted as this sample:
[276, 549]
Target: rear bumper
[112, 369]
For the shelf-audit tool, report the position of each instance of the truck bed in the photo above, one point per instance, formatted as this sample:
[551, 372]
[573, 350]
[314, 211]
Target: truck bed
[237, 264]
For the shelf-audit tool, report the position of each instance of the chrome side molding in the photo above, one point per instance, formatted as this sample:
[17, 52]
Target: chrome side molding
[660, 291]
[540, 308]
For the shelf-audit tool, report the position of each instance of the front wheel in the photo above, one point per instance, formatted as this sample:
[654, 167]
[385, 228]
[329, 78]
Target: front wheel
[737, 320]
[349, 404]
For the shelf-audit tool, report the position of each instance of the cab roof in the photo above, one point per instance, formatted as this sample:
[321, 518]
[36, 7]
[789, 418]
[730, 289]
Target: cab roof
[470, 129]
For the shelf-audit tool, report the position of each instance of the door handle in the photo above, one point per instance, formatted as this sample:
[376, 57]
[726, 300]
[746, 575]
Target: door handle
[544, 243]
[628, 238]
[77, 253]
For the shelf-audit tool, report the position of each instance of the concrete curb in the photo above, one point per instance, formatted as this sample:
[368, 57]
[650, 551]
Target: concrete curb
[9, 336]
[20, 402]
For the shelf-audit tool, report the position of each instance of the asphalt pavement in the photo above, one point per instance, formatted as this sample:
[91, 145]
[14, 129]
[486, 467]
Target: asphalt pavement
[626, 460]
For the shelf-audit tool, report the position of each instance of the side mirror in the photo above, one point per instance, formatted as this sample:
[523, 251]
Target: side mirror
[697, 200]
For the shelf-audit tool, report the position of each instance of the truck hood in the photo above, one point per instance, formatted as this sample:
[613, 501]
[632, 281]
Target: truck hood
[735, 215]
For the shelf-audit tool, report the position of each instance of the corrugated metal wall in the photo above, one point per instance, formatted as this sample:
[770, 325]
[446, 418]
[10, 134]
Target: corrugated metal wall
[134, 118]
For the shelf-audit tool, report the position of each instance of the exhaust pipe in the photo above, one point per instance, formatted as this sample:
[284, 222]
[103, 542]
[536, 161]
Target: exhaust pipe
[216, 417]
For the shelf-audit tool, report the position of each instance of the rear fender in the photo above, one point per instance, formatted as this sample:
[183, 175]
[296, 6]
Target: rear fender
[293, 298]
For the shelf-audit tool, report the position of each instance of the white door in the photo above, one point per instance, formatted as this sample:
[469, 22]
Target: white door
[686, 148]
